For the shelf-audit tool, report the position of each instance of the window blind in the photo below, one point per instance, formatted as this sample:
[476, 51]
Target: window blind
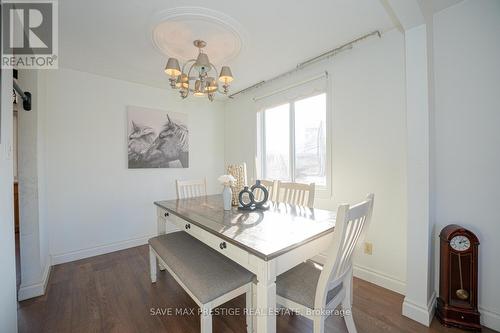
[308, 87]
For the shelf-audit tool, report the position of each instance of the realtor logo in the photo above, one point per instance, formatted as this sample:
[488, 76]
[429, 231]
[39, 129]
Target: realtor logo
[29, 34]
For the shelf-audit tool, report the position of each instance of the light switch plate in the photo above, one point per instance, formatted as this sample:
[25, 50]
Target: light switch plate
[10, 151]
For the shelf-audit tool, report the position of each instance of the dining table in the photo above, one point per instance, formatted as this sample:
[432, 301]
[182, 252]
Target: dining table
[267, 242]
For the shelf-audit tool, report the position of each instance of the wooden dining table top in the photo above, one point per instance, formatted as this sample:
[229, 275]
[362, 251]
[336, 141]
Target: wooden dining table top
[264, 233]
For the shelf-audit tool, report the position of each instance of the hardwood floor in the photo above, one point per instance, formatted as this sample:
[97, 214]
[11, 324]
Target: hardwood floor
[18, 260]
[113, 293]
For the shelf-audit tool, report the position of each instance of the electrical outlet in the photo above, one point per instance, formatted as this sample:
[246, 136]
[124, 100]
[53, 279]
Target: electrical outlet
[368, 249]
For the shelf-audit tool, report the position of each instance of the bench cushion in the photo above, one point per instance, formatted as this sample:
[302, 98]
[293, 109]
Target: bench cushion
[205, 272]
[299, 284]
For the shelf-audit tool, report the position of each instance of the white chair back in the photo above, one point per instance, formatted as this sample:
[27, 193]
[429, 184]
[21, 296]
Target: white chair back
[191, 188]
[296, 194]
[350, 227]
[271, 186]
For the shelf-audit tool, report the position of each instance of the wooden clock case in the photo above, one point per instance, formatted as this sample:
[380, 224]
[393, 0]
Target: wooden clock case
[450, 310]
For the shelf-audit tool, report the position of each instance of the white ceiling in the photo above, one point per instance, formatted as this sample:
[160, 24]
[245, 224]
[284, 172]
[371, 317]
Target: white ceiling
[113, 37]
[433, 6]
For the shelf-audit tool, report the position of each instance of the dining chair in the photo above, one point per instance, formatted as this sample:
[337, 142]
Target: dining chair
[191, 188]
[271, 186]
[210, 278]
[295, 193]
[315, 291]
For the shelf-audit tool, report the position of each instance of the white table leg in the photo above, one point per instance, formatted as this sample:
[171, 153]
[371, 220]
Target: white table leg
[249, 298]
[152, 265]
[206, 320]
[162, 227]
[266, 297]
[254, 304]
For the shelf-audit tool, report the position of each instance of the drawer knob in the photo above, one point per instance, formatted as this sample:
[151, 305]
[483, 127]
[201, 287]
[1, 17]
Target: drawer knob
[166, 214]
[188, 226]
[223, 245]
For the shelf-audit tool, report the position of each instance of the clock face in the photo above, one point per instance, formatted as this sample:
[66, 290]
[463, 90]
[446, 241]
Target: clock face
[460, 243]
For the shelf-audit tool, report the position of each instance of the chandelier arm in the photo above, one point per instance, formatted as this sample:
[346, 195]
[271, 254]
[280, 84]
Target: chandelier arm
[191, 90]
[187, 62]
[216, 78]
[216, 71]
[225, 91]
[189, 73]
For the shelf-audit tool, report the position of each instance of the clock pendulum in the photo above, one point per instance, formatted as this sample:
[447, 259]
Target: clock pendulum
[461, 293]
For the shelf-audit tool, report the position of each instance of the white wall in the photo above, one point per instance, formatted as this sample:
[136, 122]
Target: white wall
[419, 299]
[14, 131]
[94, 203]
[8, 303]
[34, 242]
[369, 152]
[466, 134]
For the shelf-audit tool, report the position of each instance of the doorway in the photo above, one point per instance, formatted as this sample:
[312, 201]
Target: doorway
[16, 190]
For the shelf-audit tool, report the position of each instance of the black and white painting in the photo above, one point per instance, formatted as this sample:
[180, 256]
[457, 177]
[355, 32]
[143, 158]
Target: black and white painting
[157, 139]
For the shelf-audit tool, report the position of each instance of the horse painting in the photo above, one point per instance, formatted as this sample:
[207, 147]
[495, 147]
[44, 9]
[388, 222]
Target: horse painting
[157, 143]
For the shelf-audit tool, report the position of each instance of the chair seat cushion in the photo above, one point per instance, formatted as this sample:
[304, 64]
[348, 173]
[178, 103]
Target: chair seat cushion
[299, 284]
[205, 272]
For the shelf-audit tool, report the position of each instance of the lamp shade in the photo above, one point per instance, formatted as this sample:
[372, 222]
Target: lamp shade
[211, 85]
[225, 75]
[182, 81]
[198, 89]
[173, 68]
[202, 63]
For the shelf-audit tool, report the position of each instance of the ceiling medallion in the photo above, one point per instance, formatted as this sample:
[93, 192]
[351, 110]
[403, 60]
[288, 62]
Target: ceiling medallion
[174, 29]
[215, 34]
[198, 76]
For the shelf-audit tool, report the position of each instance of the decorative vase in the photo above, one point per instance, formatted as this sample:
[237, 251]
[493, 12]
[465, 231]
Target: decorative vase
[227, 196]
[238, 171]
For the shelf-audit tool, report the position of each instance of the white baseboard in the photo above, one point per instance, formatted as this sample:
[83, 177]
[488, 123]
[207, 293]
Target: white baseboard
[380, 279]
[36, 289]
[419, 313]
[490, 319]
[62, 258]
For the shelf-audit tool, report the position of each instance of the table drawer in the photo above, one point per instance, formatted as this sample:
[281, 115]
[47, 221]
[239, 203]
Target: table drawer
[168, 222]
[231, 251]
[162, 213]
[177, 221]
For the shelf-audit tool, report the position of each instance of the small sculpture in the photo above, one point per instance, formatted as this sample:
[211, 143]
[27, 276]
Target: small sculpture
[247, 200]
[238, 171]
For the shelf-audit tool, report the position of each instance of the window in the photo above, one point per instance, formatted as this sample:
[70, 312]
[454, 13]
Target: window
[293, 143]
[277, 142]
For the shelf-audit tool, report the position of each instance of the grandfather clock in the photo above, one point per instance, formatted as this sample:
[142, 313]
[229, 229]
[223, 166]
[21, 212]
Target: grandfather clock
[457, 301]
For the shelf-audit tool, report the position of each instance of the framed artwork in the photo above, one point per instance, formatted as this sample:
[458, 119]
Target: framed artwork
[157, 139]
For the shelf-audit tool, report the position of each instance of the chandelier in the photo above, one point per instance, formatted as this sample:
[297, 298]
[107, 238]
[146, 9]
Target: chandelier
[200, 79]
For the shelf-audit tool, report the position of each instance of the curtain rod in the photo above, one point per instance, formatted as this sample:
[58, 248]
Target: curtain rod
[331, 53]
[293, 85]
